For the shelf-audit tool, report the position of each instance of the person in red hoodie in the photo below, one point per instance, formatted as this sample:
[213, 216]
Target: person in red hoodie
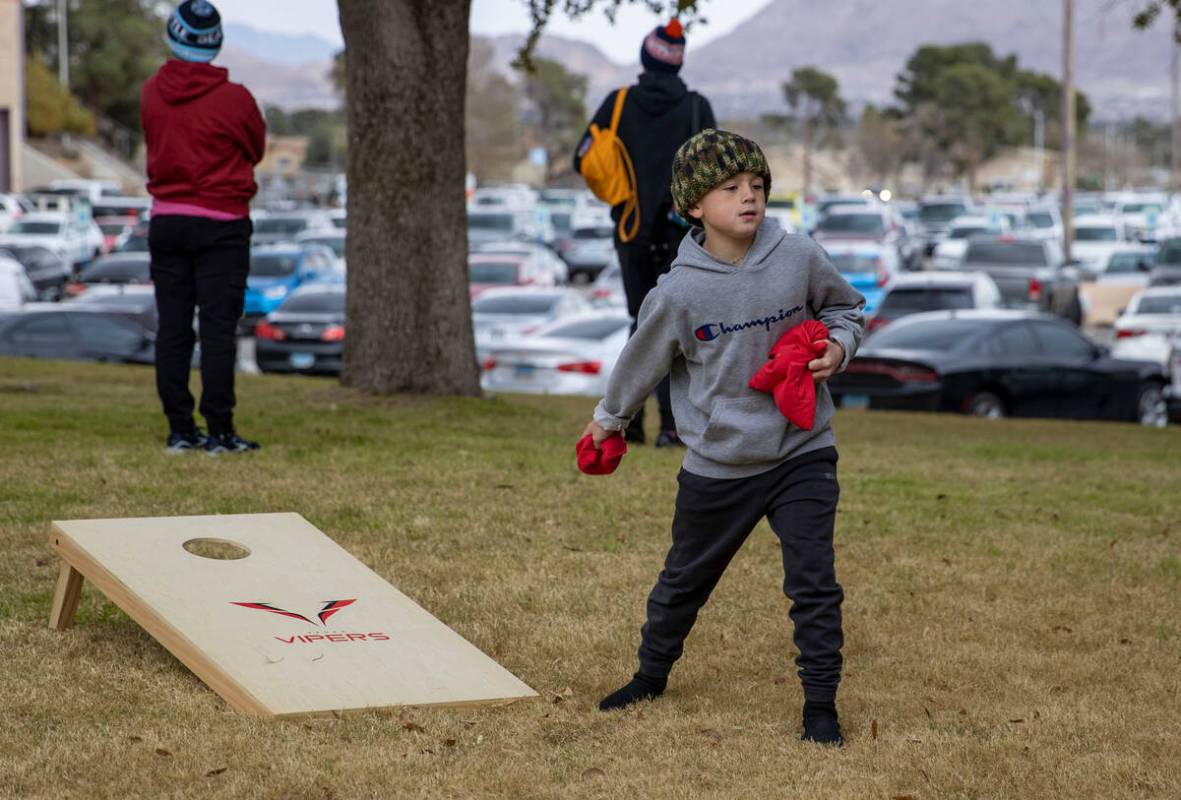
[204, 135]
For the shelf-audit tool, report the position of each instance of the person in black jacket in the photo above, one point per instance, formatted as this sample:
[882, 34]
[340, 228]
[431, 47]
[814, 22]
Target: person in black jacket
[659, 114]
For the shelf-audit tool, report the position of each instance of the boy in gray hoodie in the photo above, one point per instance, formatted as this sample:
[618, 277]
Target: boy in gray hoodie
[734, 289]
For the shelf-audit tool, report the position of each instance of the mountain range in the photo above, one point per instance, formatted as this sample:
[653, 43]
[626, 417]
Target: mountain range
[864, 43]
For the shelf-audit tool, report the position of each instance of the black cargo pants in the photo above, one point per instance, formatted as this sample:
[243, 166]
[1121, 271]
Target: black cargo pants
[712, 520]
[198, 263]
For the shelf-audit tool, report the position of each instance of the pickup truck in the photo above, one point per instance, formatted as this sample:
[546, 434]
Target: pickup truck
[1030, 274]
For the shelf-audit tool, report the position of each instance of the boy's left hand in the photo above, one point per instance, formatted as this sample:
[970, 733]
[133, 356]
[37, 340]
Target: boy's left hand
[826, 366]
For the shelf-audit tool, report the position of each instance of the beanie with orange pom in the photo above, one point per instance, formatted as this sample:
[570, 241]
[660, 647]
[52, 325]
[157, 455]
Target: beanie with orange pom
[663, 49]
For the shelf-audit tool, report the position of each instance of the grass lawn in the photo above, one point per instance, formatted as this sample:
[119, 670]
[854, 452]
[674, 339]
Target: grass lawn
[1012, 614]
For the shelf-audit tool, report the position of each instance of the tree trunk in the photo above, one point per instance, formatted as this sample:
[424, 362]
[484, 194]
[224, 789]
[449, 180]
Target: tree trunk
[409, 317]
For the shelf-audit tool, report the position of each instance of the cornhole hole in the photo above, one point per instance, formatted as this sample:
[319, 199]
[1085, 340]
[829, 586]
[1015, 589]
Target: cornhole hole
[291, 625]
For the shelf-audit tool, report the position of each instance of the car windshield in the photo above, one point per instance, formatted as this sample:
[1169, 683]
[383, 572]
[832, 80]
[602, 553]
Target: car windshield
[340, 223]
[908, 301]
[940, 212]
[493, 272]
[335, 243]
[855, 263]
[1170, 252]
[1103, 234]
[490, 222]
[117, 270]
[1040, 219]
[315, 303]
[852, 223]
[514, 304]
[603, 232]
[269, 225]
[1140, 208]
[773, 203]
[1126, 262]
[1159, 304]
[1006, 253]
[560, 220]
[964, 233]
[589, 328]
[37, 228]
[112, 228]
[270, 265]
[939, 334]
[129, 301]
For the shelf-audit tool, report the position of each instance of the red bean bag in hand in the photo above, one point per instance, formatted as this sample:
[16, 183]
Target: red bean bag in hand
[603, 460]
[786, 376]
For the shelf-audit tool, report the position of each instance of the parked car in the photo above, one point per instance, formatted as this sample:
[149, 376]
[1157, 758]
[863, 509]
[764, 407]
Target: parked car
[47, 269]
[271, 228]
[56, 231]
[1140, 217]
[1044, 223]
[11, 209]
[571, 356]
[135, 302]
[1030, 273]
[1105, 294]
[305, 333]
[334, 240]
[492, 226]
[117, 268]
[783, 208]
[1173, 391]
[914, 293]
[276, 271]
[934, 218]
[1166, 267]
[503, 312]
[543, 259]
[487, 271]
[1149, 324]
[1096, 237]
[58, 332]
[949, 251]
[607, 291]
[15, 287]
[589, 250]
[136, 241]
[867, 266]
[999, 363]
[115, 230]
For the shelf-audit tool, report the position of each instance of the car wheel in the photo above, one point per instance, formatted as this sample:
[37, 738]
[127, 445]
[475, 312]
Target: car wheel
[1151, 409]
[987, 405]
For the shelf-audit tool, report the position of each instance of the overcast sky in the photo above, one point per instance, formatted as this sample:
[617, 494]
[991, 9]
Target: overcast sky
[620, 43]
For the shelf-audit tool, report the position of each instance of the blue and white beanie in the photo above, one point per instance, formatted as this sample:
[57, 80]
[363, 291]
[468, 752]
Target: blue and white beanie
[194, 31]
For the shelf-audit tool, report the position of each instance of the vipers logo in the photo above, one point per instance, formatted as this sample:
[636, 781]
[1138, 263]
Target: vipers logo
[329, 609]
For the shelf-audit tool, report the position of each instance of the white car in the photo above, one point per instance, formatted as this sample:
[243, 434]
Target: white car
[571, 356]
[11, 209]
[274, 228]
[1096, 238]
[520, 310]
[607, 291]
[1152, 318]
[949, 251]
[542, 259]
[589, 248]
[15, 287]
[1044, 223]
[915, 292]
[333, 239]
[1141, 215]
[1106, 292]
[65, 235]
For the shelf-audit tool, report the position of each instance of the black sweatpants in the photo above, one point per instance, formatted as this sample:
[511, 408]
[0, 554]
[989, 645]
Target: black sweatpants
[713, 518]
[198, 263]
[642, 264]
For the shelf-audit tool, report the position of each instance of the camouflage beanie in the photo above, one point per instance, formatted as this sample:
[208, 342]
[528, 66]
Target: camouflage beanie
[709, 158]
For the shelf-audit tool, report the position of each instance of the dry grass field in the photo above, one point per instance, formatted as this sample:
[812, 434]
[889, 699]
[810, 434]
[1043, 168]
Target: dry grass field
[1013, 611]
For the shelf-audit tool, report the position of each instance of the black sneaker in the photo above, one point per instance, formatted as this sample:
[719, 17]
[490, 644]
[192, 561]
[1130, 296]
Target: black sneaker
[228, 443]
[669, 439]
[821, 724]
[634, 432]
[184, 442]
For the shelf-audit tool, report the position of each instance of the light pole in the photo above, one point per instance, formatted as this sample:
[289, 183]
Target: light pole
[1067, 126]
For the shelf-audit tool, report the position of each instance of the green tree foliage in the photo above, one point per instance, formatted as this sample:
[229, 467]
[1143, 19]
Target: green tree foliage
[493, 140]
[1152, 10]
[559, 98]
[967, 103]
[50, 108]
[814, 98]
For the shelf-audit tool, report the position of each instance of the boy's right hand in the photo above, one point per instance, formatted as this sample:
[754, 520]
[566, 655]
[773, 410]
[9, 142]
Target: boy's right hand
[597, 433]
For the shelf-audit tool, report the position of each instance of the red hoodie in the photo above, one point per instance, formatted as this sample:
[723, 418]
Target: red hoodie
[204, 135]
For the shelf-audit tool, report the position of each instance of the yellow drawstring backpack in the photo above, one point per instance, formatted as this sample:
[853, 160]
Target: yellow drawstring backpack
[609, 172]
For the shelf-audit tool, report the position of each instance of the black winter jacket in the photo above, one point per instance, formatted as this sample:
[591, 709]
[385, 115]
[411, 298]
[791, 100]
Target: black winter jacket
[657, 118]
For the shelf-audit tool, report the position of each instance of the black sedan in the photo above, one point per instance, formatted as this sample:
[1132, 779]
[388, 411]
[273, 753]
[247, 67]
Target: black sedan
[305, 334]
[115, 269]
[76, 336]
[996, 364]
[47, 270]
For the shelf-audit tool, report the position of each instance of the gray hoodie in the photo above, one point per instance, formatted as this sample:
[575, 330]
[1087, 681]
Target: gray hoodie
[713, 325]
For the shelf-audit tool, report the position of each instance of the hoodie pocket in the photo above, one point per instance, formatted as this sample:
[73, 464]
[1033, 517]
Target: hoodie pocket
[744, 430]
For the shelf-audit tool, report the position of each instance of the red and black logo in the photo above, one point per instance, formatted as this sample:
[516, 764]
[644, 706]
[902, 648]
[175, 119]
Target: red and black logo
[329, 609]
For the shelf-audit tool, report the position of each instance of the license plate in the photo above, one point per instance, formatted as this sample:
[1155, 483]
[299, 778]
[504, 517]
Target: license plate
[855, 401]
[302, 360]
[525, 371]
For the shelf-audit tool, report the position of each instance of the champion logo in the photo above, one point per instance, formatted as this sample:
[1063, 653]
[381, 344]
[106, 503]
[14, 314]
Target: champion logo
[712, 330]
[330, 608]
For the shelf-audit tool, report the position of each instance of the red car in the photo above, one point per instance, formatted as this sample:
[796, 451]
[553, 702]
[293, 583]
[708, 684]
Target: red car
[494, 269]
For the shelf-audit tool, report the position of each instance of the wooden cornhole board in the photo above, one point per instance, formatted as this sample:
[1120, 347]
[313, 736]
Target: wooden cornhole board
[299, 626]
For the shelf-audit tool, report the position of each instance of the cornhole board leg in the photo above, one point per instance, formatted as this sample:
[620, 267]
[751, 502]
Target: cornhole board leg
[77, 562]
[65, 599]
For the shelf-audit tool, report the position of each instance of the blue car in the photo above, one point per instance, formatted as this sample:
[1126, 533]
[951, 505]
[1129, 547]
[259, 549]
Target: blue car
[867, 267]
[278, 270]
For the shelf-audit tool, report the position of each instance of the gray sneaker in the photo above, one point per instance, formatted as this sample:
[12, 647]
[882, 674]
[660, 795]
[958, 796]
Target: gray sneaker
[231, 442]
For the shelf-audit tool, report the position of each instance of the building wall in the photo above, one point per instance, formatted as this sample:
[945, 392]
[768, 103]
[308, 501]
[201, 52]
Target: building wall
[12, 86]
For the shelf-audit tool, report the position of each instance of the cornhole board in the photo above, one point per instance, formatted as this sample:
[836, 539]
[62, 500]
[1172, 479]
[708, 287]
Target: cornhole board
[297, 627]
